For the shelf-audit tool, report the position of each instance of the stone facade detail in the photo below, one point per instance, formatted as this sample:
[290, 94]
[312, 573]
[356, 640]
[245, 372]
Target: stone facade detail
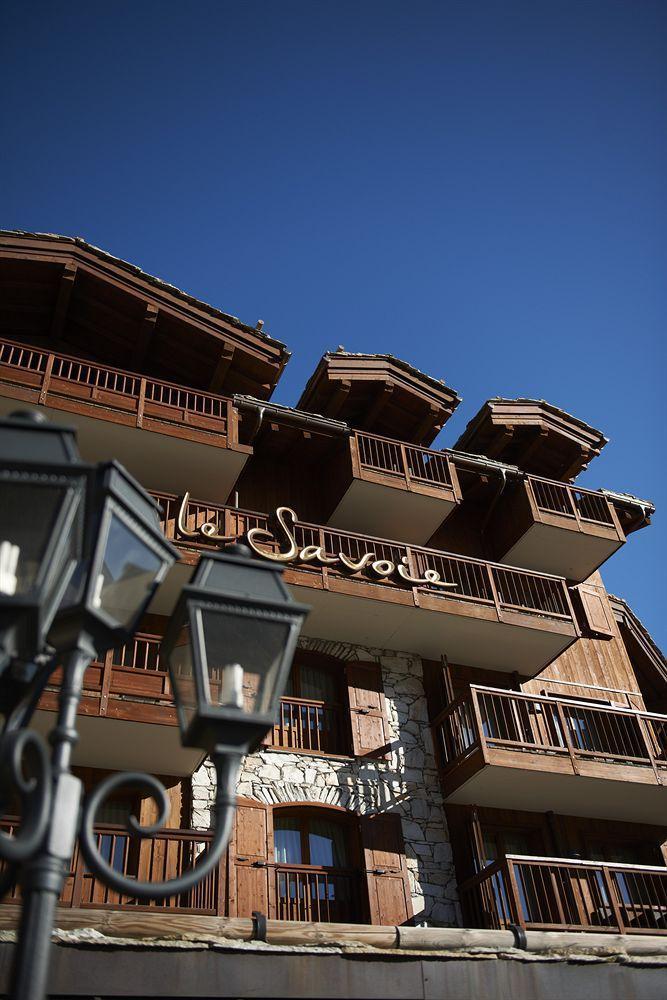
[406, 782]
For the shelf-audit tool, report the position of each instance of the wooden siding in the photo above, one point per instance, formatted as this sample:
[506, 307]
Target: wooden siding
[602, 665]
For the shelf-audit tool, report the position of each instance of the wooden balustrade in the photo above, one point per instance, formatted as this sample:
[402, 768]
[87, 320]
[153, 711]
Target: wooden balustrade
[513, 722]
[130, 682]
[581, 505]
[87, 387]
[412, 463]
[303, 892]
[167, 855]
[507, 589]
[322, 894]
[558, 894]
[409, 462]
[305, 724]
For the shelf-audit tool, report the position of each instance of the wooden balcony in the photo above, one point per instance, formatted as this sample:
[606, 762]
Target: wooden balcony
[555, 528]
[394, 489]
[166, 855]
[163, 433]
[307, 892]
[127, 718]
[487, 615]
[302, 892]
[550, 894]
[509, 750]
[313, 726]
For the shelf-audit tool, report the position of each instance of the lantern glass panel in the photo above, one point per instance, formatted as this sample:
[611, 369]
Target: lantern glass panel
[243, 653]
[30, 515]
[127, 577]
[181, 673]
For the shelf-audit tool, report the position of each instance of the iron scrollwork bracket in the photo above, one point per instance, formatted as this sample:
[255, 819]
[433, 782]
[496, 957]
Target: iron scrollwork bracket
[226, 767]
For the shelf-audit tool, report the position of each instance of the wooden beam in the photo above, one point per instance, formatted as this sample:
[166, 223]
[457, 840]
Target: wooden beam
[428, 424]
[498, 442]
[339, 396]
[66, 285]
[146, 331]
[577, 465]
[382, 397]
[222, 367]
[533, 442]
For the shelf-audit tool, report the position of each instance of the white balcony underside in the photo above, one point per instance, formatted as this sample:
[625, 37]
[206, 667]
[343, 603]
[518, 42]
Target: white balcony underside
[463, 639]
[158, 461]
[390, 512]
[122, 745]
[534, 790]
[546, 548]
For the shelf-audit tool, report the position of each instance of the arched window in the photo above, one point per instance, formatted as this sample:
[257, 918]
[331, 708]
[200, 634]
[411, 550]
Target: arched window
[309, 861]
[316, 854]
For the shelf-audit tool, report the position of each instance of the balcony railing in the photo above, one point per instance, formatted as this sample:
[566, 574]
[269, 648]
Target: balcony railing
[166, 855]
[304, 724]
[556, 893]
[553, 497]
[130, 682]
[405, 461]
[508, 721]
[504, 588]
[305, 893]
[79, 386]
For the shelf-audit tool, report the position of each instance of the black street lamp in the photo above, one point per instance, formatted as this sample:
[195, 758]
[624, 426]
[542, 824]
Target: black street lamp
[42, 499]
[229, 645]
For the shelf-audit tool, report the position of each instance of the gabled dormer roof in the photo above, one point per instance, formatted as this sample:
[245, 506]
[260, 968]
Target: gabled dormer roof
[535, 435]
[380, 394]
[65, 293]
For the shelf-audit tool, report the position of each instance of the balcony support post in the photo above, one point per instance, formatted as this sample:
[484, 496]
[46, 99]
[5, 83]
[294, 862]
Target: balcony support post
[480, 729]
[518, 915]
[645, 731]
[141, 402]
[46, 379]
[567, 737]
[105, 685]
[613, 901]
[404, 462]
[494, 590]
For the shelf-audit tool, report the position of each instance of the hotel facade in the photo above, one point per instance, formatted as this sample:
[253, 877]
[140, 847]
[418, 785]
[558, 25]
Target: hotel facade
[474, 733]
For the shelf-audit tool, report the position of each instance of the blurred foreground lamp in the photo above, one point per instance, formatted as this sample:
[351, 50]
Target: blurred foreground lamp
[229, 646]
[126, 557]
[43, 487]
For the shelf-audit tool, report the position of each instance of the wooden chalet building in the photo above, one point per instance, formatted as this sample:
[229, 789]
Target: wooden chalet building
[474, 732]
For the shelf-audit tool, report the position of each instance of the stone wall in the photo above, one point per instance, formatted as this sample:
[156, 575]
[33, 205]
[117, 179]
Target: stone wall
[406, 781]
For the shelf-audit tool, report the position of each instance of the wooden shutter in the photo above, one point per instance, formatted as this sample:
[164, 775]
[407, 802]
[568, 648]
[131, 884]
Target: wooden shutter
[367, 709]
[249, 858]
[385, 869]
[597, 612]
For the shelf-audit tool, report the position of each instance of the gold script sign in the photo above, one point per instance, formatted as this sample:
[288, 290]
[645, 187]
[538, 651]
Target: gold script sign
[290, 552]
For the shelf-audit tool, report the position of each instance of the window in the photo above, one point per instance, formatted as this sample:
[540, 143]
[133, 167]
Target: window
[314, 878]
[313, 862]
[311, 713]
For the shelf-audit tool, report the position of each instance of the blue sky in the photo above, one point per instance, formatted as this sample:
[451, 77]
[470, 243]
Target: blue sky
[477, 187]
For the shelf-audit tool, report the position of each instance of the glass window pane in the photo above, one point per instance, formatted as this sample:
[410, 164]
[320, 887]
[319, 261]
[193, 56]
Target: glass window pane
[326, 843]
[24, 539]
[128, 573]
[243, 654]
[317, 684]
[287, 840]
[182, 676]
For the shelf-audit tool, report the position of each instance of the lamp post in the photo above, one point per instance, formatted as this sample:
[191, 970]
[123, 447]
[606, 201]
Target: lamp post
[229, 647]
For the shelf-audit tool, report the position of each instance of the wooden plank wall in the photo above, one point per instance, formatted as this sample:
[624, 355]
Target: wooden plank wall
[602, 663]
